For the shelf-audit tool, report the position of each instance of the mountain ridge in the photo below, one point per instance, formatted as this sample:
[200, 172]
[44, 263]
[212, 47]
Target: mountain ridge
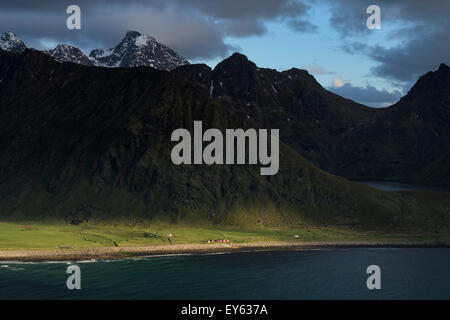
[77, 145]
[67, 53]
[338, 135]
[134, 50]
[342, 136]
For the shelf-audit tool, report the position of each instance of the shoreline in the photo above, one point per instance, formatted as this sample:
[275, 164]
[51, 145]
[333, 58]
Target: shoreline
[101, 253]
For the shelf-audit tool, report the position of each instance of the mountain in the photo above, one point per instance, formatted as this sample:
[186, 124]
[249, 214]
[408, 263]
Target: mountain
[139, 50]
[406, 142]
[93, 144]
[134, 50]
[417, 130]
[10, 42]
[64, 52]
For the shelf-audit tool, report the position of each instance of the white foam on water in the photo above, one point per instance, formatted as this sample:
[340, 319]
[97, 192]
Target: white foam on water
[87, 261]
[5, 266]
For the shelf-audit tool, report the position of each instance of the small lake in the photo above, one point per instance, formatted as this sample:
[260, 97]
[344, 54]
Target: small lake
[396, 186]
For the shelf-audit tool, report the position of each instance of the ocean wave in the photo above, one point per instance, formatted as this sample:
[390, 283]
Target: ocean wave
[6, 266]
[14, 262]
[88, 261]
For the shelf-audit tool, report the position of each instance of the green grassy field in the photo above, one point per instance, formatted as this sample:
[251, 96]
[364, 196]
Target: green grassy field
[23, 235]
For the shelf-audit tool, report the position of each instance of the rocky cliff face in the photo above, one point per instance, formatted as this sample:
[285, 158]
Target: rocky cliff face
[88, 144]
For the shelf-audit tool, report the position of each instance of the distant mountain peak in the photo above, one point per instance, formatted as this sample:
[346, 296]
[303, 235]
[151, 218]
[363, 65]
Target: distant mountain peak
[237, 62]
[434, 79]
[430, 95]
[133, 35]
[10, 42]
[237, 57]
[65, 52]
[137, 50]
[443, 66]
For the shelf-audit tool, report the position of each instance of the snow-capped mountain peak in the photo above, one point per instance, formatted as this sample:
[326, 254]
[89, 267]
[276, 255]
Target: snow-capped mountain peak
[10, 42]
[64, 52]
[136, 50]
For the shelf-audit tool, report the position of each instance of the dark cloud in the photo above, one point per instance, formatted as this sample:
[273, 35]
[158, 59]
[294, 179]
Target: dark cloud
[354, 47]
[301, 25]
[407, 62]
[349, 16]
[422, 31]
[243, 28]
[370, 95]
[195, 28]
[248, 9]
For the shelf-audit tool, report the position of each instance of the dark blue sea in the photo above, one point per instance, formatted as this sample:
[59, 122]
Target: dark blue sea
[311, 274]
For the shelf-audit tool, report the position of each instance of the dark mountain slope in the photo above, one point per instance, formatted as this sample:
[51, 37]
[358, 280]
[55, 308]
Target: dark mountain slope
[314, 121]
[413, 136]
[86, 143]
[399, 143]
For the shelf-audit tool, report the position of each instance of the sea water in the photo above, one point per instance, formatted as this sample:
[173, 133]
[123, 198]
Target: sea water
[308, 274]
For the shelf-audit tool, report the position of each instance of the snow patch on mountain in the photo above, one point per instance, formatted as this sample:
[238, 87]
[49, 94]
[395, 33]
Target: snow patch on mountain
[10, 42]
[134, 50]
[64, 52]
[142, 40]
[137, 50]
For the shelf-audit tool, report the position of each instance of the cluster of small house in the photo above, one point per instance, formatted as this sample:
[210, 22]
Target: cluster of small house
[218, 241]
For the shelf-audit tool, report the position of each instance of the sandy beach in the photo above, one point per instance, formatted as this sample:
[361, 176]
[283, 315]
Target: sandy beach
[73, 254]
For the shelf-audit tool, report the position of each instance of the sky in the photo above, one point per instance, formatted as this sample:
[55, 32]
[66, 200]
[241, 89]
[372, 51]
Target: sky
[328, 38]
